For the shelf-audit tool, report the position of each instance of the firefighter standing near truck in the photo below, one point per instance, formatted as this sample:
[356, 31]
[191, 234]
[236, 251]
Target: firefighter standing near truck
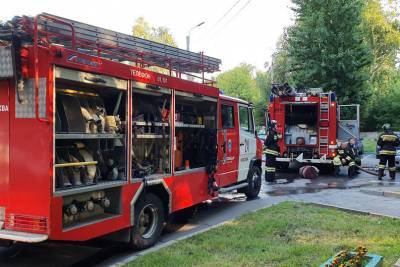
[271, 152]
[388, 141]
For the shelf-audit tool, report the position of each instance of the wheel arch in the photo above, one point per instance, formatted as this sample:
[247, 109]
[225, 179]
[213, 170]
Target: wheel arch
[157, 187]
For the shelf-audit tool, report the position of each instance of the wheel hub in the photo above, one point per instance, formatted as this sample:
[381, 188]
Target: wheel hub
[148, 221]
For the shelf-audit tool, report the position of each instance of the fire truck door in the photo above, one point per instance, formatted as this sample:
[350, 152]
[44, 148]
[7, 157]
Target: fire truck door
[248, 141]
[228, 145]
[348, 121]
[4, 140]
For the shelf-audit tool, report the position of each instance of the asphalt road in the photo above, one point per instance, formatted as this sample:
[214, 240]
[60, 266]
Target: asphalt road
[288, 187]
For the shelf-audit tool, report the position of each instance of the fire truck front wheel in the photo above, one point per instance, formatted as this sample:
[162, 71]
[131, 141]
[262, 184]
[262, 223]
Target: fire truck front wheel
[148, 221]
[254, 183]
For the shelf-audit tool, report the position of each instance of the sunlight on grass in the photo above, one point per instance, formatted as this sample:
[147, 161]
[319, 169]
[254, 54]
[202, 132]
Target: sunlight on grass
[288, 234]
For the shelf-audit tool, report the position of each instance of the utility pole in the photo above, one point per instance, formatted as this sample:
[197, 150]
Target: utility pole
[188, 35]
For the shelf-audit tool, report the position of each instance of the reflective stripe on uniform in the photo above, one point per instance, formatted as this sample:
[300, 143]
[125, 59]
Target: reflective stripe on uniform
[271, 152]
[387, 152]
[392, 169]
[348, 158]
[381, 166]
[337, 161]
[352, 163]
[270, 169]
[389, 137]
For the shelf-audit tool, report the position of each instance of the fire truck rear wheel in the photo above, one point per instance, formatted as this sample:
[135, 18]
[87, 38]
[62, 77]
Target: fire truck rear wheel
[254, 183]
[148, 222]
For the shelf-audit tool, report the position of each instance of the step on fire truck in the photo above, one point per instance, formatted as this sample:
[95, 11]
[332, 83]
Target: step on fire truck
[94, 143]
[309, 125]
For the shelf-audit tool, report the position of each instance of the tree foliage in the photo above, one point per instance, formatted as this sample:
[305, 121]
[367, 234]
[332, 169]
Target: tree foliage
[326, 47]
[246, 83]
[239, 82]
[144, 30]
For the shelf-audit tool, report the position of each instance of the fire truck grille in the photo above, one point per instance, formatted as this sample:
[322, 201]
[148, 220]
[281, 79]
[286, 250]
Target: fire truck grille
[26, 223]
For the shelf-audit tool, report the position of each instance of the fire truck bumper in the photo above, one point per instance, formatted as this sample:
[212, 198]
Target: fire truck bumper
[22, 236]
[326, 161]
[300, 159]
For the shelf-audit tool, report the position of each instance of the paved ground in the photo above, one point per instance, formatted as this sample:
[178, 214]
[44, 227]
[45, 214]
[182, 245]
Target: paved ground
[354, 194]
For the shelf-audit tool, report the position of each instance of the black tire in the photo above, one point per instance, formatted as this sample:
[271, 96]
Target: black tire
[254, 183]
[148, 222]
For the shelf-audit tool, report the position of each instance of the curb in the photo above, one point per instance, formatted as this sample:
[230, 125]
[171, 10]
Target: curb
[353, 211]
[381, 193]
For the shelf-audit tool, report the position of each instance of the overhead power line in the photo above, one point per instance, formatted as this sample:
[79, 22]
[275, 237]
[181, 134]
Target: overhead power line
[226, 13]
[237, 13]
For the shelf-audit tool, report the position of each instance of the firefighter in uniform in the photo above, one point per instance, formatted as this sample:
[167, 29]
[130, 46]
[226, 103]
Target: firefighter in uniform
[343, 158]
[271, 152]
[337, 160]
[388, 141]
[352, 151]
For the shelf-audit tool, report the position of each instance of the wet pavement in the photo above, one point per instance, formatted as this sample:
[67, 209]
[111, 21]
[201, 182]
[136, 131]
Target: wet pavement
[340, 192]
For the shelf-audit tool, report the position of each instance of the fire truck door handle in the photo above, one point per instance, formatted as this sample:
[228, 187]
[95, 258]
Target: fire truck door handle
[241, 144]
[95, 79]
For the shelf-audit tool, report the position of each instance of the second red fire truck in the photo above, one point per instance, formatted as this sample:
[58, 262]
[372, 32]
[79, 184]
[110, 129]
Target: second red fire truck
[309, 125]
[94, 143]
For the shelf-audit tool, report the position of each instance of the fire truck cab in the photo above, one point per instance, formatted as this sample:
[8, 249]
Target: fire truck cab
[95, 141]
[309, 125]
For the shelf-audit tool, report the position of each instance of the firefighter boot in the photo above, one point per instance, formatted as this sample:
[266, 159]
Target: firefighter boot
[337, 170]
[270, 174]
[380, 174]
[392, 173]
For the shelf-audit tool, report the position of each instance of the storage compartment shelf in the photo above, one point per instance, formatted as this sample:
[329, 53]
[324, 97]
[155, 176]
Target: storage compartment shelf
[88, 188]
[143, 123]
[88, 136]
[151, 136]
[185, 125]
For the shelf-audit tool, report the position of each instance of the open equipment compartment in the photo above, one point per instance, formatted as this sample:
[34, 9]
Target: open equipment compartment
[301, 128]
[195, 130]
[90, 145]
[151, 130]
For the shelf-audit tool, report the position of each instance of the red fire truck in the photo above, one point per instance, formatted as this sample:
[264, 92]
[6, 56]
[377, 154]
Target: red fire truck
[95, 141]
[309, 125]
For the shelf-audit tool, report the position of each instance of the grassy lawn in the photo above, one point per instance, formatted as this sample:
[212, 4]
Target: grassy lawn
[288, 234]
[369, 145]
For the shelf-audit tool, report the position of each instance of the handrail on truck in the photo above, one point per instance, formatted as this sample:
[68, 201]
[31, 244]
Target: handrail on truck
[36, 61]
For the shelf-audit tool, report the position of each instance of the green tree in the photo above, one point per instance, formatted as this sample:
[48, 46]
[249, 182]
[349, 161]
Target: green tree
[280, 66]
[263, 82]
[239, 82]
[246, 83]
[382, 32]
[326, 47]
[144, 30]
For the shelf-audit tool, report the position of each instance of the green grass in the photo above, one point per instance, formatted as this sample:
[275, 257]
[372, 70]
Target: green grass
[287, 234]
[369, 145]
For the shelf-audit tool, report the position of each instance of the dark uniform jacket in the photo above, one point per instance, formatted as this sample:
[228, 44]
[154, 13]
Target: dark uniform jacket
[271, 143]
[352, 151]
[388, 143]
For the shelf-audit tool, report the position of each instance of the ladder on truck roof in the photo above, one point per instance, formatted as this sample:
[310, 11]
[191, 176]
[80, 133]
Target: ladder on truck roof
[323, 132]
[113, 45]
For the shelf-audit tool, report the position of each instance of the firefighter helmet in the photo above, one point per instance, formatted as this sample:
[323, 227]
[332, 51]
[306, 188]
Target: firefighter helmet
[272, 124]
[386, 127]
